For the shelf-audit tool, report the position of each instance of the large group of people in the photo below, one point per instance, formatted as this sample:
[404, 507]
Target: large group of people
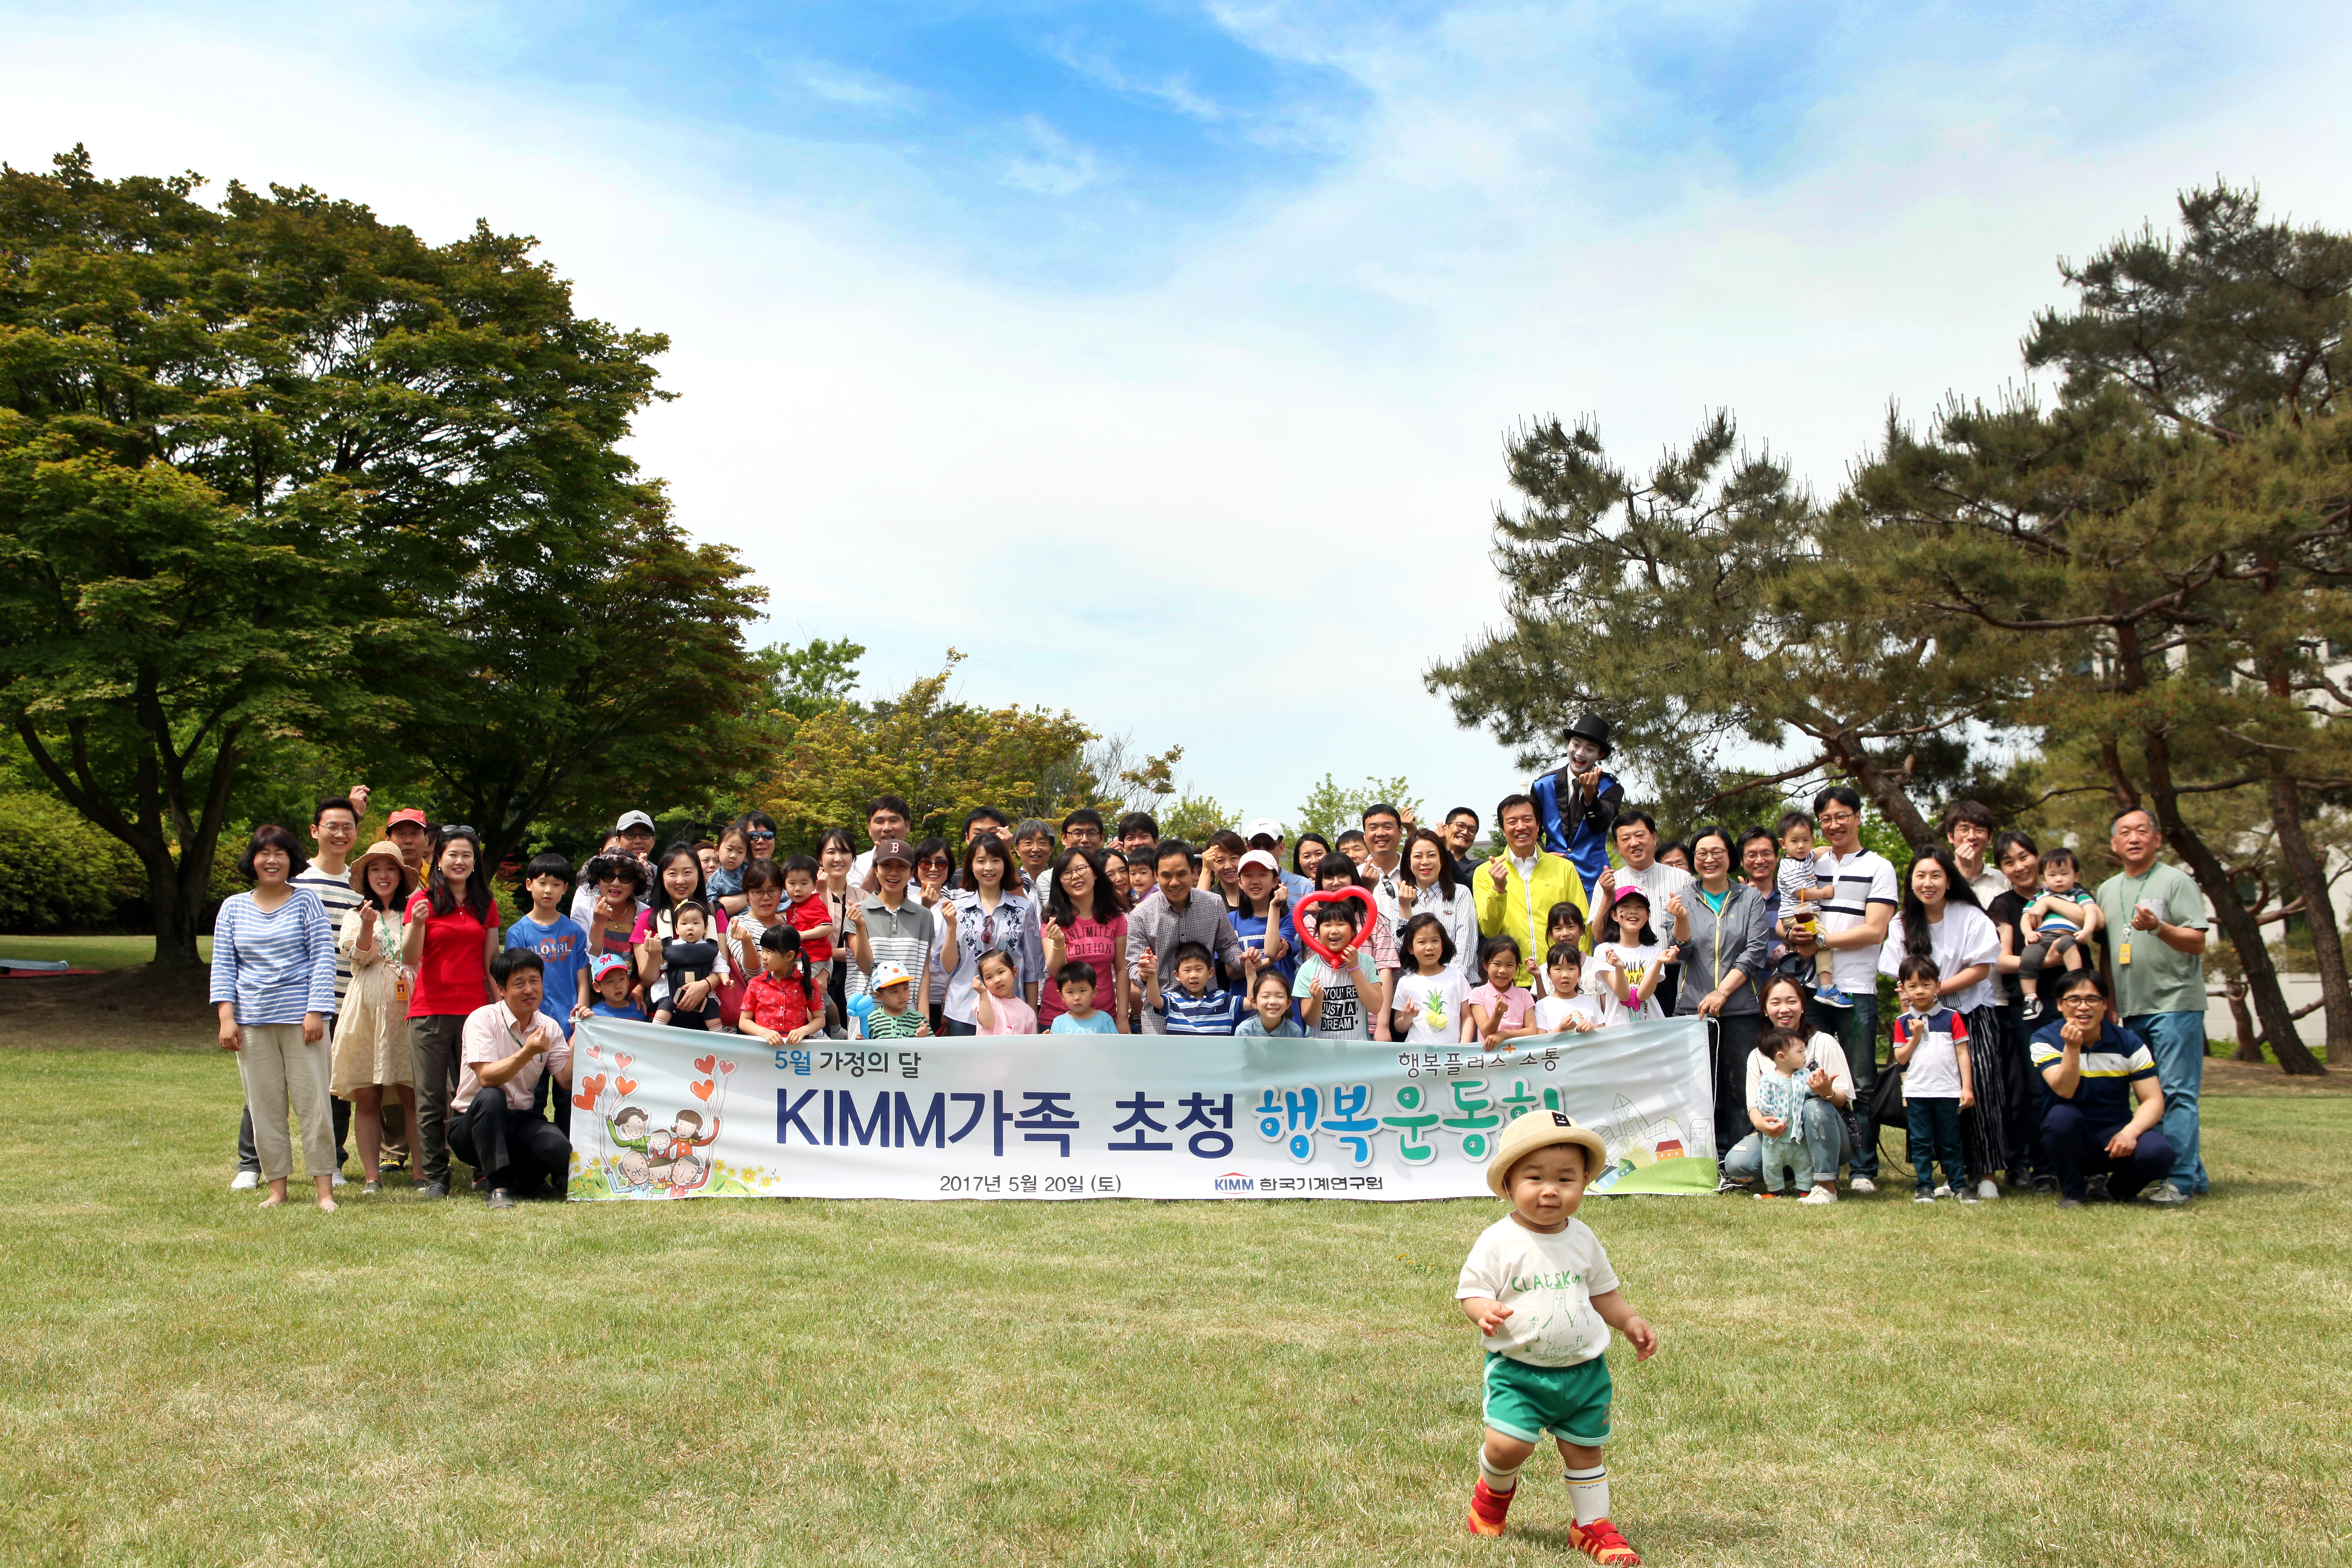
[2045, 1035]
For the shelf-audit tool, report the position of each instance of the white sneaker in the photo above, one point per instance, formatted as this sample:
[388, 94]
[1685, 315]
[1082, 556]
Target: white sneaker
[1861, 1185]
[1943, 1189]
[245, 1182]
[337, 1180]
[1819, 1195]
[1988, 1188]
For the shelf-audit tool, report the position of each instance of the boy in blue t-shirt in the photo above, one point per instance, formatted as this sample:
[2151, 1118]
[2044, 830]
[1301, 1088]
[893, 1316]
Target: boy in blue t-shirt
[1077, 981]
[1195, 1006]
[561, 944]
[609, 983]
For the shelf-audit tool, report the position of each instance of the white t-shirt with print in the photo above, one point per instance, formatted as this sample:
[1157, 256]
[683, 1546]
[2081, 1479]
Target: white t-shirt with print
[1549, 1282]
[1636, 960]
[1438, 1004]
[1343, 1016]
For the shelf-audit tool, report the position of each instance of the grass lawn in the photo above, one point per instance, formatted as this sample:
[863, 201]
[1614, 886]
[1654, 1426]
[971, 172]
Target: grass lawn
[188, 1379]
[91, 951]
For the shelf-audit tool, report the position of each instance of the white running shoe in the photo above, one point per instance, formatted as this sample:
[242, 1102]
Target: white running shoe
[1943, 1189]
[245, 1182]
[1988, 1188]
[337, 1181]
[1861, 1185]
[1819, 1195]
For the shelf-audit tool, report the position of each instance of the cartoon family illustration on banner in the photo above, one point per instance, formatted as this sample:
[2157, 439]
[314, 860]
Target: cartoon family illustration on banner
[641, 1151]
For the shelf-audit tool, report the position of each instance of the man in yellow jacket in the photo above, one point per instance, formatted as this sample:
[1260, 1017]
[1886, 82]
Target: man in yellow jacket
[1516, 890]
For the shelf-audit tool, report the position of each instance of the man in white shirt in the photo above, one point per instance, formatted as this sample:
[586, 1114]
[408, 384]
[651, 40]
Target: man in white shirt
[1637, 846]
[1852, 928]
[503, 1051]
[1969, 828]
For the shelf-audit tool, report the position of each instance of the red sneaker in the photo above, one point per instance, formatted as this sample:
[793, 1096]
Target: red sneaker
[1601, 1542]
[1487, 1508]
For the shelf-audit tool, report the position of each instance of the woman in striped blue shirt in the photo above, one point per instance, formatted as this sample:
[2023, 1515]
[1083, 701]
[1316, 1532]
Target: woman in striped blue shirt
[274, 983]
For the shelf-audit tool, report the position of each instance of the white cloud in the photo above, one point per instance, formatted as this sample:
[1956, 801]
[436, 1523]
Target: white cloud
[1239, 509]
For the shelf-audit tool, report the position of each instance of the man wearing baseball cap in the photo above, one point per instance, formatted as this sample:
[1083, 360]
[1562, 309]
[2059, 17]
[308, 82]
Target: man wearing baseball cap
[1578, 805]
[1265, 834]
[887, 927]
[410, 832]
[638, 828]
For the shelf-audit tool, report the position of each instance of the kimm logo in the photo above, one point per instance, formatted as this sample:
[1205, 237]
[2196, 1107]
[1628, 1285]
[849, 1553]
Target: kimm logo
[1235, 1182]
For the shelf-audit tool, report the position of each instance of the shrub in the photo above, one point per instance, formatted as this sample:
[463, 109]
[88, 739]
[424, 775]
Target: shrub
[61, 872]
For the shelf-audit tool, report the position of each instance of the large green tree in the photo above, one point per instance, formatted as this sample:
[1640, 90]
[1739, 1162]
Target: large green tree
[313, 456]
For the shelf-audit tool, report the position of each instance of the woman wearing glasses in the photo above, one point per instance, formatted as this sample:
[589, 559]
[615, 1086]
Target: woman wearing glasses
[990, 913]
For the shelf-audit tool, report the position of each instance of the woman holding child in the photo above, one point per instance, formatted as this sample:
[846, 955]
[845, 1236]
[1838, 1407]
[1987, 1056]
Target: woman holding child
[990, 913]
[1721, 931]
[1941, 920]
[1828, 1129]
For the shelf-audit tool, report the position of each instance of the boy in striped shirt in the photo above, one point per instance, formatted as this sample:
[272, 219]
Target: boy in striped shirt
[1195, 1006]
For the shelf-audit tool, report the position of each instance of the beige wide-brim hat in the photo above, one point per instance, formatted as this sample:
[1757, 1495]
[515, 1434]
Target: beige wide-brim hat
[1541, 1130]
[383, 850]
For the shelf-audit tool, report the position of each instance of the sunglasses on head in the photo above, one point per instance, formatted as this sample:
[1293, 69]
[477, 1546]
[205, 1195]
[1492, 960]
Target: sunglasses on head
[451, 830]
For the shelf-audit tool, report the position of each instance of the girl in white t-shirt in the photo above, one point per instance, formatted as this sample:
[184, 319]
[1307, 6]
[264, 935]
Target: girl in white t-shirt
[1565, 1009]
[1631, 967]
[1431, 998]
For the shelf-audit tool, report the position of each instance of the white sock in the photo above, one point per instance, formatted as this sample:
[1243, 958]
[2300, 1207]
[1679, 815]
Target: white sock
[1499, 1481]
[1588, 1493]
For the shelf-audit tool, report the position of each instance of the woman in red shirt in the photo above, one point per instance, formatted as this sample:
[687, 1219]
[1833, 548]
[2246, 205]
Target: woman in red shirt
[452, 935]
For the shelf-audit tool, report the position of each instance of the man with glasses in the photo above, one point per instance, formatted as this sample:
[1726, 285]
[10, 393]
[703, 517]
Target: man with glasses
[1461, 833]
[2155, 936]
[1970, 827]
[1850, 929]
[2092, 1073]
[1083, 829]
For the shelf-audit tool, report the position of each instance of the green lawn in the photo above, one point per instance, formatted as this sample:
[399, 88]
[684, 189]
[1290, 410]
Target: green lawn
[188, 1379]
[91, 951]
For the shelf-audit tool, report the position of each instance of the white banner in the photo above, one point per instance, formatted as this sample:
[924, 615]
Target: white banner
[662, 1113]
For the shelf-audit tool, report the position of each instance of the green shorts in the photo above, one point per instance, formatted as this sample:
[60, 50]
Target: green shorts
[1572, 1402]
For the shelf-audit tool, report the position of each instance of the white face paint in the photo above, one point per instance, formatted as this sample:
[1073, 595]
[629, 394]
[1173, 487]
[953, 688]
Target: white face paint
[1582, 754]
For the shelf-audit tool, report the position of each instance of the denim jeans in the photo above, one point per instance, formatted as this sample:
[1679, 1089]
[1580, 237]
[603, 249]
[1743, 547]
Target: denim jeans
[1825, 1141]
[2177, 1041]
[1856, 1028]
[1936, 1134]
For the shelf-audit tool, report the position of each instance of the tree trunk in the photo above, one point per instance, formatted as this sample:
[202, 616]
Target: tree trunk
[2250, 1048]
[179, 910]
[2318, 907]
[2238, 923]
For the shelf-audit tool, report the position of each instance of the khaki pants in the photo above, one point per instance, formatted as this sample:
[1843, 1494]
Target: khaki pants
[282, 1072]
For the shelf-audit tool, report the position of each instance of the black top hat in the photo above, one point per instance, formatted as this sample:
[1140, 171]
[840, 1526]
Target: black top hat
[1594, 728]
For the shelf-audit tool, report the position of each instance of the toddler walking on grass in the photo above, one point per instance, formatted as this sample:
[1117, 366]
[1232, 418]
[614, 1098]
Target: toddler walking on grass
[1540, 1290]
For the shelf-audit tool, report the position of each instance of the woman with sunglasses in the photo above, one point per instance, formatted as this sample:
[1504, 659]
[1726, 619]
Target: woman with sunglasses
[992, 914]
[934, 872]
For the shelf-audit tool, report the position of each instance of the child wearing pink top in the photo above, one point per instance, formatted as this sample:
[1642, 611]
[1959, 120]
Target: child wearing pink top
[1502, 1008]
[998, 1002]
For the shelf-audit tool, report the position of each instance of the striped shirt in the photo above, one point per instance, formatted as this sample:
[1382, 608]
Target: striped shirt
[275, 966]
[1213, 1012]
[1864, 879]
[2119, 1059]
[903, 937]
[340, 899]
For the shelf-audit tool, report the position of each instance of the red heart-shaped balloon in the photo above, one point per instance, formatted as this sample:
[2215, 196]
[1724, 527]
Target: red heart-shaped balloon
[702, 1090]
[1306, 927]
[594, 1085]
[726, 1066]
[585, 1100]
[702, 1063]
[623, 1061]
[624, 1086]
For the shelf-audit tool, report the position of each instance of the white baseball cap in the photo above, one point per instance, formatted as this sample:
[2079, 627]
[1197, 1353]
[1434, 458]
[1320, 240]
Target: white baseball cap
[1263, 828]
[887, 975]
[1261, 858]
[634, 819]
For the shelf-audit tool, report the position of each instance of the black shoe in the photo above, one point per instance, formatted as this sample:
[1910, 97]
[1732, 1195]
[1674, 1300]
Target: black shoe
[432, 1189]
[2070, 1203]
[481, 1183]
[2045, 1183]
[2098, 1190]
[501, 1199]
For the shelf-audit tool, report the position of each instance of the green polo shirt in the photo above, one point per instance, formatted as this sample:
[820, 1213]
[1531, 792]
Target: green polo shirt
[2160, 978]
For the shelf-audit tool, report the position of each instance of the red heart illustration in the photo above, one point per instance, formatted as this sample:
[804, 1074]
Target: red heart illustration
[726, 1066]
[1306, 927]
[598, 1055]
[594, 1084]
[622, 1061]
[702, 1090]
[702, 1063]
[585, 1100]
[624, 1086]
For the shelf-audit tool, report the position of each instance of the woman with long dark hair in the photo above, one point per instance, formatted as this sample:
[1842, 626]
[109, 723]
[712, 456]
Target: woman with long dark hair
[678, 880]
[453, 933]
[1940, 918]
[836, 854]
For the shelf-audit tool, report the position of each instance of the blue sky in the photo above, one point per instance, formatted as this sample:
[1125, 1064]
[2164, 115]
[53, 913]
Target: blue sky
[1158, 356]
